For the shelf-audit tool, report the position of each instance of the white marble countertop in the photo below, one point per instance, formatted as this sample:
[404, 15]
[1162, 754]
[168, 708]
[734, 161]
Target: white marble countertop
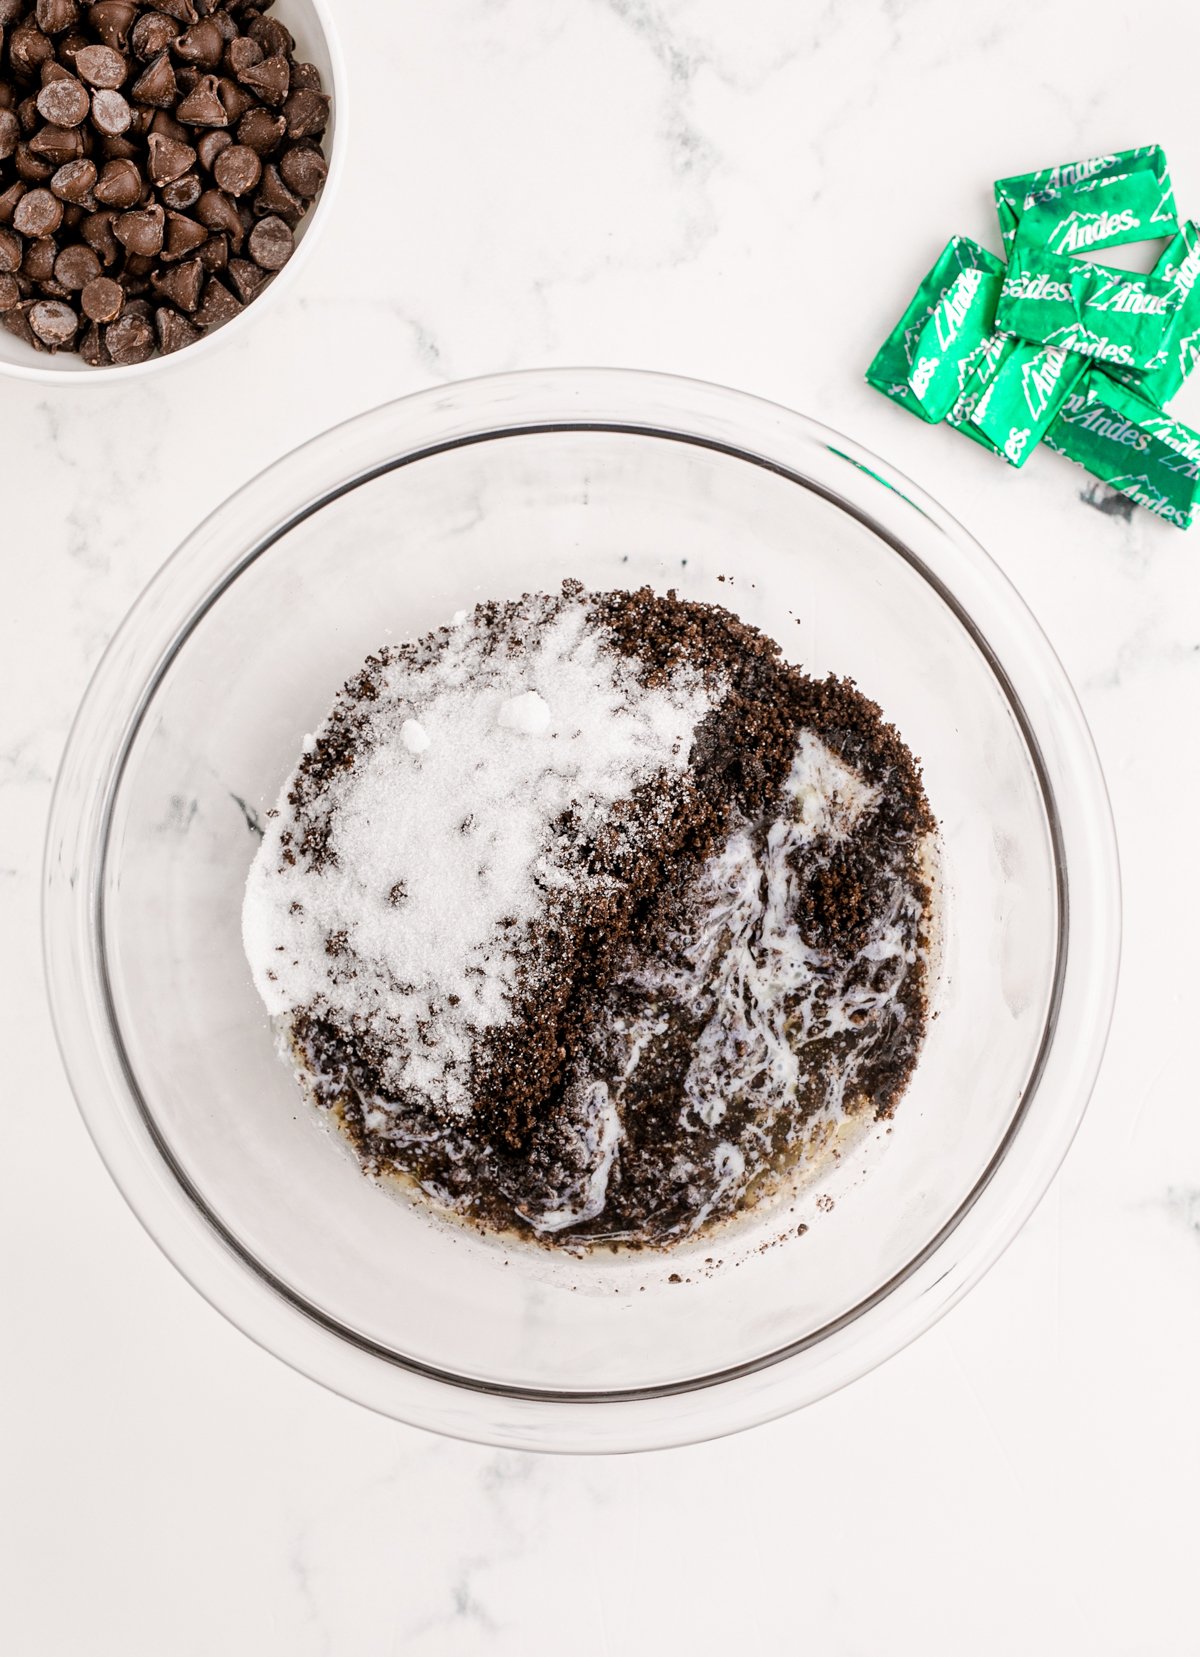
[746, 194]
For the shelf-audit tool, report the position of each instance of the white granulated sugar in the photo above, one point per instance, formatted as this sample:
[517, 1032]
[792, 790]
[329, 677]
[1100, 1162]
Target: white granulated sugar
[442, 833]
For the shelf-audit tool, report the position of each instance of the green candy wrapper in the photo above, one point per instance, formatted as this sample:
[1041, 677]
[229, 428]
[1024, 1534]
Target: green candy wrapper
[1023, 397]
[1115, 316]
[925, 360]
[1132, 446]
[1104, 212]
[1023, 190]
[1180, 264]
[983, 368]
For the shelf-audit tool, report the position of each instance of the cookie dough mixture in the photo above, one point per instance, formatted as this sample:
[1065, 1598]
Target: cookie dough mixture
[592, 917]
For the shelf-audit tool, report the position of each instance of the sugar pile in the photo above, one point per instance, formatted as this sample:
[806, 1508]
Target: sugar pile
[438, 842]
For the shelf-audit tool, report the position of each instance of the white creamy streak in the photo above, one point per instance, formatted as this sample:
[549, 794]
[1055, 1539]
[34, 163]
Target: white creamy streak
[758, 991]
[600, 1132]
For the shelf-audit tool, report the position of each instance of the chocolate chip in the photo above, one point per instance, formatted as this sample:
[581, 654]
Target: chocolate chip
[203, 45]
[54, 146]
[235, 100]
[131, 338]
[183, 11]
[181, 193]
[54, 323]
[28, 49]
[75, 267]
[168, 159]
[238, 170]
[246, 278]
[69, 48]
[241, 53]
[306, 77]
[102, 299]
[10, 133]
[39, 213]
[214, 253]
[183, 236]
[54, 17]
[93, 349]
[64, 102]
[203, 107]
[306, 113]
[97, 232]
[271, 35]
[10, 291]
[217, 307]
[262, 131]
[174, 331]
[12, 251]
[9, 200]
[141, 232]
[210, 144]
[304, 169]
[119, 185]
[116, 147]
[16, 322]
[38, 263]
[112, 20]
[110, 113]
[151, 34]
[102, 67]
[181, 284]
[218, 211]
[30, 167]
[275, 197]
[271, 244]
[271, 80]
[74, 182]
[166, 126]
[156, 84]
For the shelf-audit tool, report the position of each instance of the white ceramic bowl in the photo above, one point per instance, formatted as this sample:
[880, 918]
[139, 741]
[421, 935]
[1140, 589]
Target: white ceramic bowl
[311, 22]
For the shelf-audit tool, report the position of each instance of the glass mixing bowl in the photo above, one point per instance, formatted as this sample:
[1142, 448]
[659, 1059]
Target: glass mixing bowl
[385, 527]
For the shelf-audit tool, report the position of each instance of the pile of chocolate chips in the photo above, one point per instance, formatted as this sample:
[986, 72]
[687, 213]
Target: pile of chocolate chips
[155, 160]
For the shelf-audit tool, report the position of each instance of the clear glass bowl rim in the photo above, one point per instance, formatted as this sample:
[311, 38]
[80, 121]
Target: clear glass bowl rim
[810, 455]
